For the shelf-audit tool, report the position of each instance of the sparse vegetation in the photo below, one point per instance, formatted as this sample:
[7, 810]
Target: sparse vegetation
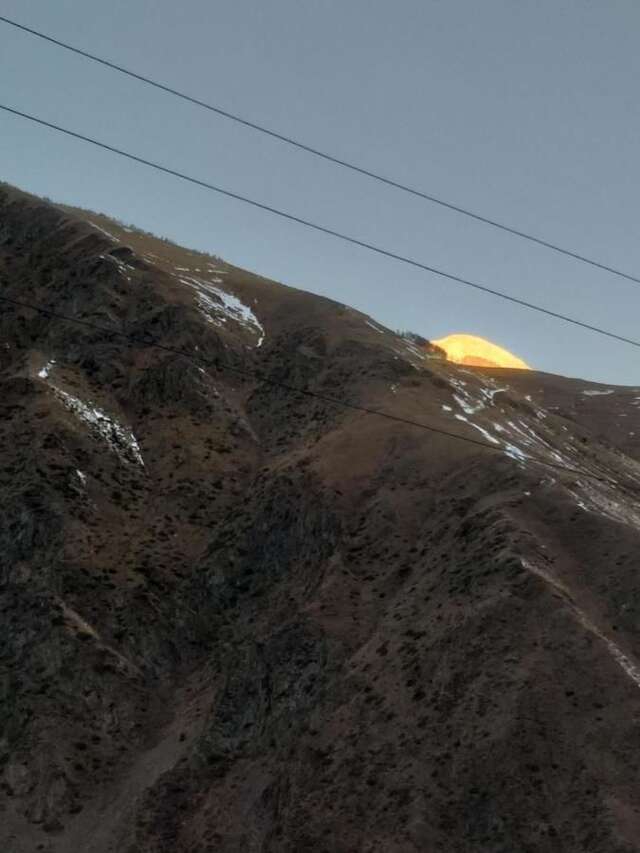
[432, 350]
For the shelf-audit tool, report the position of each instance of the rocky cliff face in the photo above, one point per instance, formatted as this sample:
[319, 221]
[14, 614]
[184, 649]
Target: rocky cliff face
[235, 617]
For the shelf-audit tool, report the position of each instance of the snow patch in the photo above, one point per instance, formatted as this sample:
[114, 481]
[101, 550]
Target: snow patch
[480, 429]
[515, 453]
[490, 393]
[44, 372]
[218, 306]
[464, 399]
[414, 350]
[593, 497]
[121, 440]
[468, 407]
[121, 266]
[103, 231]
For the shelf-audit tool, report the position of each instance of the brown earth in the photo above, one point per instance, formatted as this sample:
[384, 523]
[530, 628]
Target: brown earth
[236, 618]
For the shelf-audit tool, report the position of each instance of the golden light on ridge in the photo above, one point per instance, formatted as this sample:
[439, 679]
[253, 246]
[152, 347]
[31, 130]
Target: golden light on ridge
[477, 352]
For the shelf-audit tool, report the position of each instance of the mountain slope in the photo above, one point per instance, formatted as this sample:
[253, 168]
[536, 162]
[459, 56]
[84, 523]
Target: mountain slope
[237, 617]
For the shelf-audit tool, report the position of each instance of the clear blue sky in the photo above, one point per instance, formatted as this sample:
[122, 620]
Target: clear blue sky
[524, 111]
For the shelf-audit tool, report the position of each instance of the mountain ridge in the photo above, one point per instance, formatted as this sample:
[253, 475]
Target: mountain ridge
[235, 617]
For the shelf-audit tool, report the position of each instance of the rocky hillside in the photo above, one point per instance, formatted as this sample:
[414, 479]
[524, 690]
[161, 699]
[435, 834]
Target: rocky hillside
[238, 618]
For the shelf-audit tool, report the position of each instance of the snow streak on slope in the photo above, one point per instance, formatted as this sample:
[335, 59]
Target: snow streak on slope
[218, 306]
[103, 231]
[527, 434]
[603, 501]
[121, 266]
[520, 440]
[479, 393]
[121, 440]
[480, 429]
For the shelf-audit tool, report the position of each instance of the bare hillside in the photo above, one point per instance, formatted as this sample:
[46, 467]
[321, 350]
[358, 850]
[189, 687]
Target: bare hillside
[239, 618]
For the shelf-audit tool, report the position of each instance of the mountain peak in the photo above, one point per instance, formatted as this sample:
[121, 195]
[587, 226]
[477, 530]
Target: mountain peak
[478, 352]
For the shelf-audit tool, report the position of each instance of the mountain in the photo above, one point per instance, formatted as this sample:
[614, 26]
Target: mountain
[238, 617]
[478, 352]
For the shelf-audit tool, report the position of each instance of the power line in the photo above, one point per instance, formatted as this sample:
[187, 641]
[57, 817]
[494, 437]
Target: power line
[509, 229]
[325, 230]
[219, 365]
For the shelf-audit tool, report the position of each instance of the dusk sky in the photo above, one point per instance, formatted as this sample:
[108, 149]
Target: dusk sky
[524, 112]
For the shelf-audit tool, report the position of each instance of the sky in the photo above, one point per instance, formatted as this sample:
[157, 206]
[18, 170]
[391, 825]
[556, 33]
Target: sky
[525, 112]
